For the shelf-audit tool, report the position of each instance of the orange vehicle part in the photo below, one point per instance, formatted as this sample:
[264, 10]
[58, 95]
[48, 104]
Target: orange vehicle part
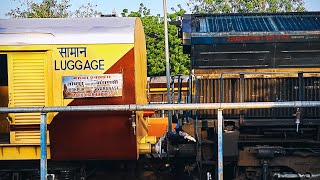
[158, 126]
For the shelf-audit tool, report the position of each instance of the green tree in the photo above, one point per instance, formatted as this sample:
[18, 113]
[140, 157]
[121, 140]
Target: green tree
[154, 31]
[245, 6]
[50, 9]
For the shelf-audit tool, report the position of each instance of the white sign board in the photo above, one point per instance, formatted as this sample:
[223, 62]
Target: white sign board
[85, 86]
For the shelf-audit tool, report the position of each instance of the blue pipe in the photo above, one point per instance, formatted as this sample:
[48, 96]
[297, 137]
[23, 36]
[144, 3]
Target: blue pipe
[43, 146]
[220, 145]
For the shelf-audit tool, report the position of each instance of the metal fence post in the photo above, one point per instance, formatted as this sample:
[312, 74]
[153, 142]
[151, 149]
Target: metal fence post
[43, 146]
[220, 145]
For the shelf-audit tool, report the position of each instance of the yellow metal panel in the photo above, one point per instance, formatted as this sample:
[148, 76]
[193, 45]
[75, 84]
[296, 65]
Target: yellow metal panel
[18, 152]
[140, 70]
[165, 89]
[27, 87]
[140, 63]
[26, 137]
[108, 53]
[26, 84]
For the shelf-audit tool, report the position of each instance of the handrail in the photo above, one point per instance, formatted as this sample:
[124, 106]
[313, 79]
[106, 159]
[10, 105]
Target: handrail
[142, 107]
[137, 107]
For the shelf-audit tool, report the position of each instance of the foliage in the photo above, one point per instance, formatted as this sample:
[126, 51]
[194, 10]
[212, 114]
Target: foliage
[245, 6]
[50, 9]
[154, 31]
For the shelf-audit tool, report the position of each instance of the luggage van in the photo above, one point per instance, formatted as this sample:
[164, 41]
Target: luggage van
[73, 62]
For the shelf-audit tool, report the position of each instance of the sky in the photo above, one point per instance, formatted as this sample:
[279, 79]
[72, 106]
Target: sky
[106, 6]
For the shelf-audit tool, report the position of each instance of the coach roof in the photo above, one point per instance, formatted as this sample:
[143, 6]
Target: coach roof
[67, 31]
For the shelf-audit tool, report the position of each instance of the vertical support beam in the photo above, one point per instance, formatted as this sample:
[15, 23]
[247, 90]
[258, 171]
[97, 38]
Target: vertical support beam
[220, 145]
[179, 88]
[300, 98]
[43, 146]
[189, 89]
[173, 113]
[301, 86]
[241, 87]
[221, 88]
[172, 90]
[196, 101]
[241, 96]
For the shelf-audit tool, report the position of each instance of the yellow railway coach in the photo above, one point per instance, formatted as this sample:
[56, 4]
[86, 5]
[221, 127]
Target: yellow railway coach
[73, 62]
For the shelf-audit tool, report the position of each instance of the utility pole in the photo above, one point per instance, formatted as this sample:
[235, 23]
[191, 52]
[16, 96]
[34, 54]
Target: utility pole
[167, 62]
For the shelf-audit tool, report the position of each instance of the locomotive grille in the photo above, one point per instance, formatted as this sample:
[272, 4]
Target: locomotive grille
[260, 90]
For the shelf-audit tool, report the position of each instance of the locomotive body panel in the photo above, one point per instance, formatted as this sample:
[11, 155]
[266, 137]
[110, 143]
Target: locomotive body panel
[257, 57]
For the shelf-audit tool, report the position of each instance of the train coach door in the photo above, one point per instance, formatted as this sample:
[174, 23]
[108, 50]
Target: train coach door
[27, 82]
